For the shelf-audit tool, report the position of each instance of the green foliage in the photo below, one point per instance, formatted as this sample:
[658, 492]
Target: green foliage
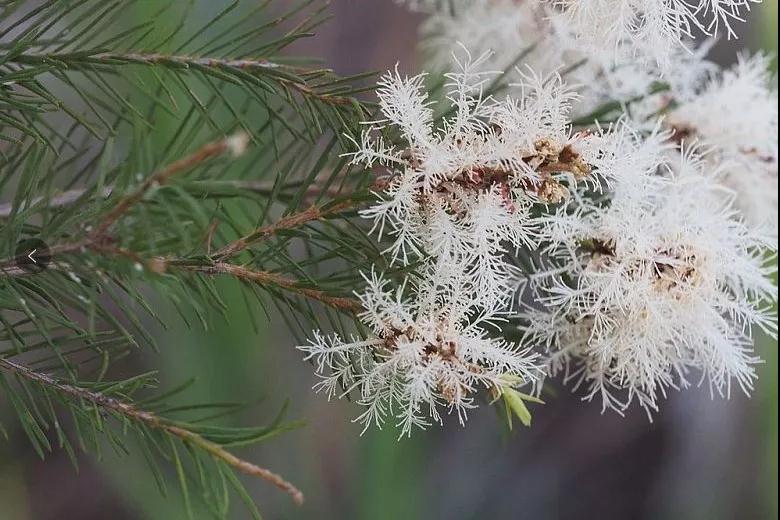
[515, 404]
[81, 59]
[99, 418]
[120, 134]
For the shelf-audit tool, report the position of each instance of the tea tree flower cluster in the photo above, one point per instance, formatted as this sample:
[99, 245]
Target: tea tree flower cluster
[735, 114]
[663, 282]
[543, 36]
[650, 28]
[645, 232]
[425, 355]
[462, 192]
[511, 27]
[458, 196]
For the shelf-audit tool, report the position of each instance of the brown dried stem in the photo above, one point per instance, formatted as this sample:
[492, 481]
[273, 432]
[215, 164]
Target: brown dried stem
[99, 241]
[291, 221]
[154, 422]
[97, 238]
[159, 178]
[267, 278]
[286, 75]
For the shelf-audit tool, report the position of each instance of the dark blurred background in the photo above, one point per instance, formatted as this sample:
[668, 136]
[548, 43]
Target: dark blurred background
[699, 459]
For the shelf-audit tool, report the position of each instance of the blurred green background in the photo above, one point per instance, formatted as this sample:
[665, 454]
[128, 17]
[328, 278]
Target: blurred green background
[700, 459]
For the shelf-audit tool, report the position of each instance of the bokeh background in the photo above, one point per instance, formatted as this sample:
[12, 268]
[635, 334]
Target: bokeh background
[699, 459]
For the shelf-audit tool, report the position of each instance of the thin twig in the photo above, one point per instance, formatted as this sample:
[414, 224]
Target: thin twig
[100, 242]
[291, 221]
[11, 271]
[64, 199]
[220, 63]
[13, 267]
[70, 197]
[268, 278]
[206, 152]
[97, 238]
[284, 74]
[155, 422]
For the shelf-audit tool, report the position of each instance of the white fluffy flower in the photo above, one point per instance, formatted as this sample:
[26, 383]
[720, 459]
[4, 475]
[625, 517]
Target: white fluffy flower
[652, 27]
[736, 116]
[507, 29]
[457, 197]
[546, 42]
[656, 282]
[642, 89]
[461, 191]
[425, 355]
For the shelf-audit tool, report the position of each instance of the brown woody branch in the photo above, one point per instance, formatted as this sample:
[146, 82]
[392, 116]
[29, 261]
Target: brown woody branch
[154, 422]
[64, 199]
[97, 238]
[284, 74]
[267, 278]
[291, 221]
[221, 63]
[99, 241]
[231, 144]
[70, 197]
